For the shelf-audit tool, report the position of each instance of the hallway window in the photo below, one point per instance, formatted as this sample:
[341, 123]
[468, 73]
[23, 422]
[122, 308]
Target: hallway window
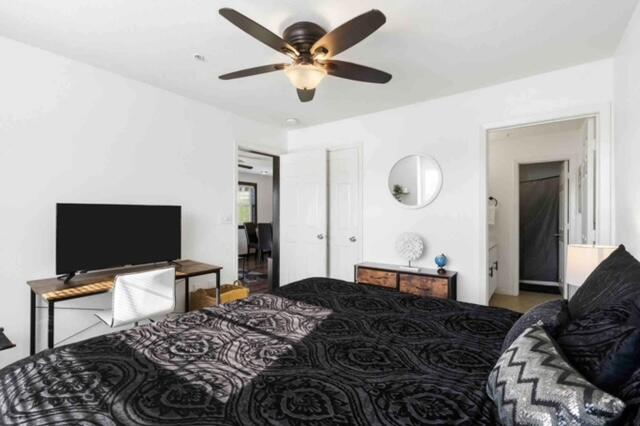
[247, 208]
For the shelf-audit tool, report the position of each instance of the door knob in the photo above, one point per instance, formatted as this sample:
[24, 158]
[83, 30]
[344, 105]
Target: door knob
[320, 236]
[353, 239]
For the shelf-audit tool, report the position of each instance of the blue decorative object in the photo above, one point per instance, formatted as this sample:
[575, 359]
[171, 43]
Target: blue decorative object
[441, 261]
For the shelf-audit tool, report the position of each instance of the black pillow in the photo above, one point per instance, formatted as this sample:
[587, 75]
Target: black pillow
[616, 279]
[553, 314]
[630, 393]
[605, 345]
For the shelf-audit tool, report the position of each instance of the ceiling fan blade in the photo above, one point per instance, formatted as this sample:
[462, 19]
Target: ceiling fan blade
[349, 34]
[252, 71]
[357, 72]
[306, 95]
[258, 31]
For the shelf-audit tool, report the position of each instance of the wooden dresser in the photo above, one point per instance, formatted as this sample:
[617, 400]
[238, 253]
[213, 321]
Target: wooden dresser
[423, 282]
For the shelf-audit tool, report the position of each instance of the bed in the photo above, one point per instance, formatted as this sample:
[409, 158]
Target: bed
[316, 352]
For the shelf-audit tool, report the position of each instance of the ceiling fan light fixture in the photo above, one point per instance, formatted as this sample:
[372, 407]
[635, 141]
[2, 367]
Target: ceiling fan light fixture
[311, 49]
[305, 76]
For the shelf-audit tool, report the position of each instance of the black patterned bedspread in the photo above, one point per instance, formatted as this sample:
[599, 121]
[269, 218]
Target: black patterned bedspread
[317, 352]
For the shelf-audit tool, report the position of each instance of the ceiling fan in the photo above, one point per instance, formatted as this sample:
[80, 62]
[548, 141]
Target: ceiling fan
[311, 49]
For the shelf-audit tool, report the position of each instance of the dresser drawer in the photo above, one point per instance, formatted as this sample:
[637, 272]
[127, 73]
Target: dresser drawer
[424, 286]
[386, 279]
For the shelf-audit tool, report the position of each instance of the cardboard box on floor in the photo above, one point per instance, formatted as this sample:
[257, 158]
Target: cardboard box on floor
[204, 298]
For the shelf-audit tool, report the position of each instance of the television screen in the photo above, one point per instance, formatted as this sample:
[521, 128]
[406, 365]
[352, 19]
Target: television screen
[99, 236]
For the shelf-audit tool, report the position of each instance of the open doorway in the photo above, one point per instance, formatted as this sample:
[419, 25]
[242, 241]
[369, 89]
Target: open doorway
[258, 219]
[542, 186]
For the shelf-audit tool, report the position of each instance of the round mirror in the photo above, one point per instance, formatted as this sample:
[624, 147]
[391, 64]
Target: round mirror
[415, 180]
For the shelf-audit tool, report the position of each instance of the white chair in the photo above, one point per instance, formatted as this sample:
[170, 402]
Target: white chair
[140, 296]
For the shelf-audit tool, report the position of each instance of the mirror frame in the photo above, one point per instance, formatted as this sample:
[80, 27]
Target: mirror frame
[433, 197]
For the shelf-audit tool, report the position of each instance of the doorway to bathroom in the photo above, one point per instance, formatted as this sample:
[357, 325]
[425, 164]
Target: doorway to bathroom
[542, 179]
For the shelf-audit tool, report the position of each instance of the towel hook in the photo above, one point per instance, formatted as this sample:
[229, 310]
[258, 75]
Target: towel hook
[494, 200]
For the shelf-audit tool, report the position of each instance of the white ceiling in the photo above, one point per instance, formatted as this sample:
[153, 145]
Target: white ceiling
[432, 47]
[262, 165]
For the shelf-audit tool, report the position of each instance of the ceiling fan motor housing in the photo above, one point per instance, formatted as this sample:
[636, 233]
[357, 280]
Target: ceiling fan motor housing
[302, 36]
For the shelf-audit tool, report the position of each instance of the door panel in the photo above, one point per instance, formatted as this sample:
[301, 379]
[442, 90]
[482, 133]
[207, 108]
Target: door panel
[303, 215]
[563, 222]
[591, 181]
[345, 233]
[587, 176]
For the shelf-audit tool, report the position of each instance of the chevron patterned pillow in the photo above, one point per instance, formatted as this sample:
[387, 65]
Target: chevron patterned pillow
[532, 384]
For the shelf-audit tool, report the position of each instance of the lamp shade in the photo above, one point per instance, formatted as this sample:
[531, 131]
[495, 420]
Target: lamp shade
[582, 260]
[305, 76]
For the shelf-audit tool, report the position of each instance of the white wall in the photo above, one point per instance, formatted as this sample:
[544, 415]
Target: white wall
[504, 155]
[257, 136]
[448, 129]
[265, 194]
[627, 130]
[73, 133]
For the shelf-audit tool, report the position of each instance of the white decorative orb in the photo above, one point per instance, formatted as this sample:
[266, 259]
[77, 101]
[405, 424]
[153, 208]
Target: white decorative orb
[409, 246]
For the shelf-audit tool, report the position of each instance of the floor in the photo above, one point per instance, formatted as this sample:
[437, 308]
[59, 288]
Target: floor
[523, 302]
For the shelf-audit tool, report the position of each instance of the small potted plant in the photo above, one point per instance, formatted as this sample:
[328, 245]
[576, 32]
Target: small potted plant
[399, 191]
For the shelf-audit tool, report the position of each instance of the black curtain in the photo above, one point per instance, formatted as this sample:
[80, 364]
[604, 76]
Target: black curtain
[539, 203]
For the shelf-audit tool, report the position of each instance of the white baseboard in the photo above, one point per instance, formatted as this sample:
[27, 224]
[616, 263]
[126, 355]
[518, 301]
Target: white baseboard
[506, 292]
[547, 283]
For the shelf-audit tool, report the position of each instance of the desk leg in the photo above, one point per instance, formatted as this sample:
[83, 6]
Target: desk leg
[32, 335]
[50, 333]
[218, 288]
[186, 294]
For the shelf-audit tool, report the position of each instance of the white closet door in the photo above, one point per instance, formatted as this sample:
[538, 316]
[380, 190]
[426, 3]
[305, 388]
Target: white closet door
[345, 217]
[592, 190]
[303, 215]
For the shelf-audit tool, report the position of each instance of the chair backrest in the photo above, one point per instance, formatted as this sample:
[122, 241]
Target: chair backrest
[252, 234]
[265, 236]
[243, 246]
[141, 295]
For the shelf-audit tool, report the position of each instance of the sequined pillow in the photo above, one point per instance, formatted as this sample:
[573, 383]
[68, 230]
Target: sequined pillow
[532, 384]
[554, 314]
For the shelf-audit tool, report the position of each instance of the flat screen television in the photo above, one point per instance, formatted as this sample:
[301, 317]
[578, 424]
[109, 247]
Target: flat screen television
[100, 236]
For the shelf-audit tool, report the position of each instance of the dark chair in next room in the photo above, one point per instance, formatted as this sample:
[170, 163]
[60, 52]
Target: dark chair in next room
[265, 239]
[251, 229]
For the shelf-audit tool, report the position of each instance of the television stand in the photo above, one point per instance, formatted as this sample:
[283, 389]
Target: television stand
[174, 263]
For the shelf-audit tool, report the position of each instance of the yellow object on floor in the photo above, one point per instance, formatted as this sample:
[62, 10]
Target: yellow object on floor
[203, 298]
